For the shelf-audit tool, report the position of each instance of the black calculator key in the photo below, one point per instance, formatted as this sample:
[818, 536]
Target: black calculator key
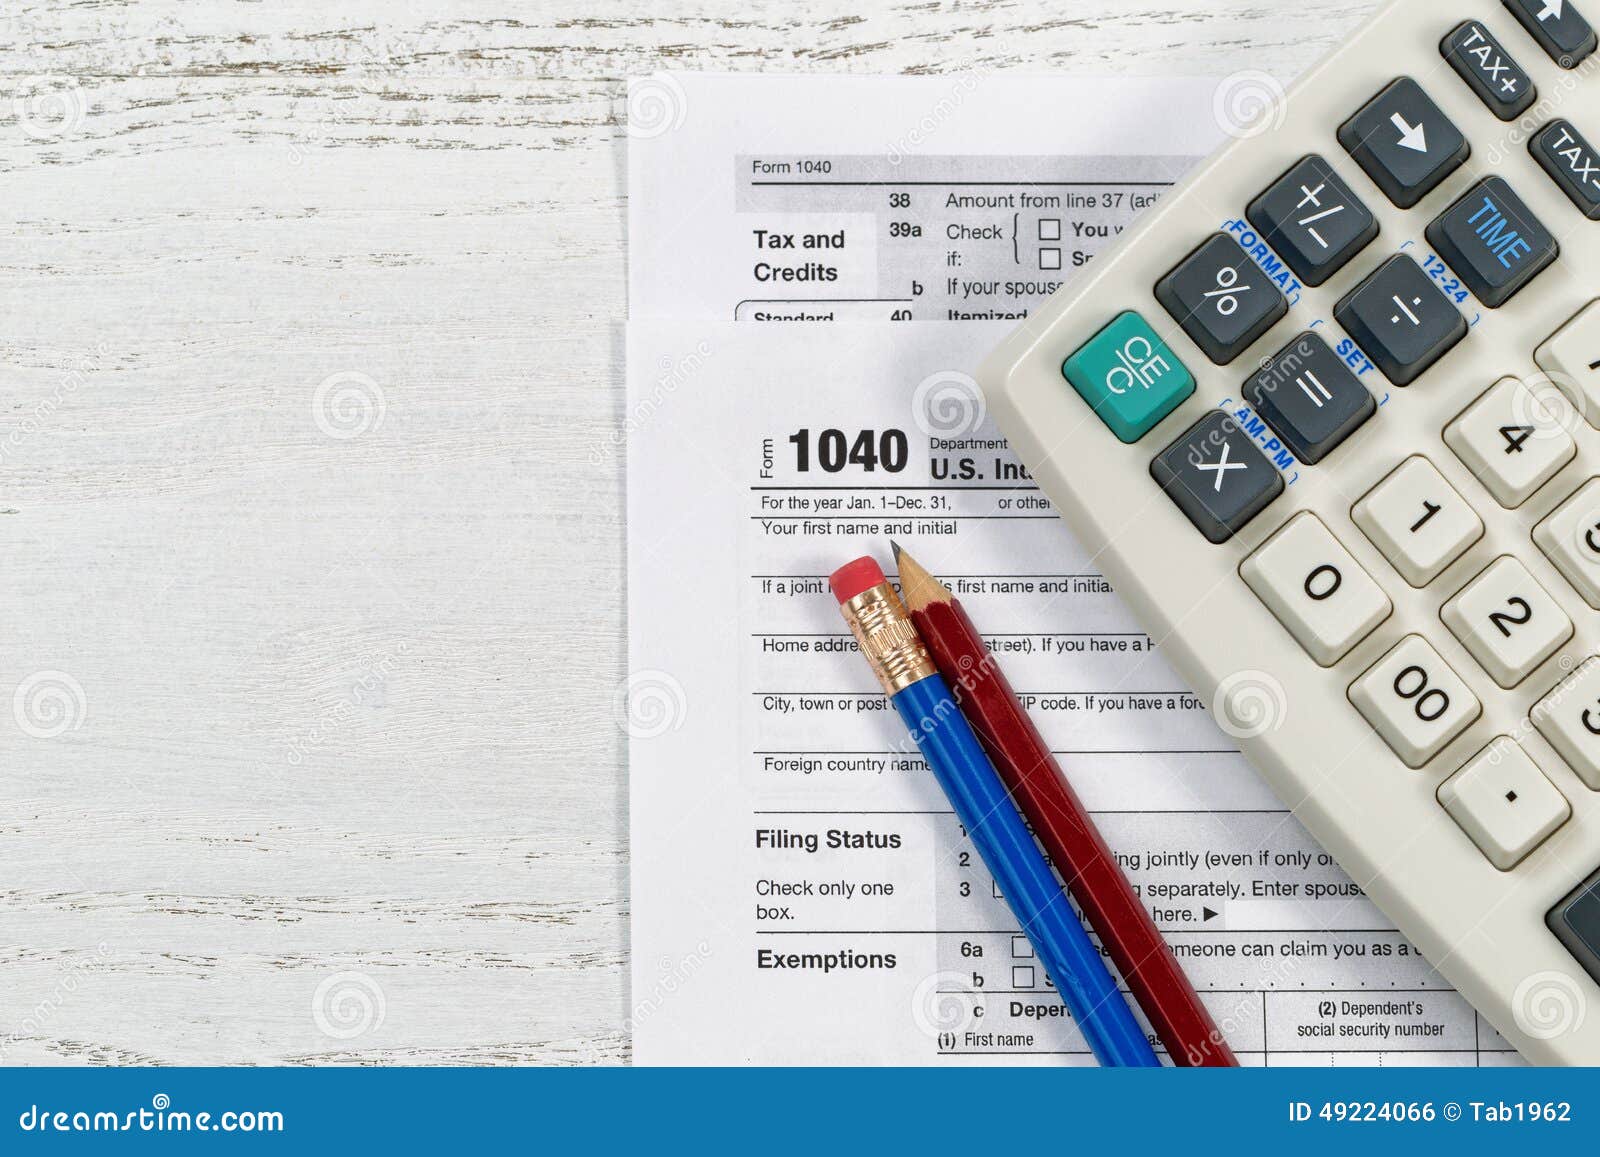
[1576, 923]
[1572, 163]
[1559, 28]
[1313, 220]
[1217, 476]
[1489, 70]
[1222, 298]
[1310, 398]
[1401, 319]
[1493, 241]
[1405, 144]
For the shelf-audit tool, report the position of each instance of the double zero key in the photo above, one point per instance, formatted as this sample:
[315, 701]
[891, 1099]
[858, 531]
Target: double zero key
[1415, 701]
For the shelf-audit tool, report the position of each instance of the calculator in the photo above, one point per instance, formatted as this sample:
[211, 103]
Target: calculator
[1329, 420]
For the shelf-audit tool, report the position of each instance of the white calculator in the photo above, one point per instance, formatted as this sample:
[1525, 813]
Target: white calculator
[1329, 420]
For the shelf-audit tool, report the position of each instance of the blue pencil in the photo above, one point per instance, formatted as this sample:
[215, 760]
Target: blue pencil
[904, 668]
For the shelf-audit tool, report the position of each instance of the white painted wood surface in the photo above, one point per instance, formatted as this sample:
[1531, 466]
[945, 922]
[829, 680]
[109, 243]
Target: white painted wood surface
[310, 316]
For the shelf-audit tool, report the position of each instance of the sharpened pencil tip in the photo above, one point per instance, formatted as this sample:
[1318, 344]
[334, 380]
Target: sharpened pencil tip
[919, 588]
[895, 547]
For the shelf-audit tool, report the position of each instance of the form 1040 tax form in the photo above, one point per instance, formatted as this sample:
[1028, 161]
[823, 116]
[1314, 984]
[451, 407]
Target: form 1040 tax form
[800, 891]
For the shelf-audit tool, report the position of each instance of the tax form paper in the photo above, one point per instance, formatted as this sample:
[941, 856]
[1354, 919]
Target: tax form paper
[799, 393]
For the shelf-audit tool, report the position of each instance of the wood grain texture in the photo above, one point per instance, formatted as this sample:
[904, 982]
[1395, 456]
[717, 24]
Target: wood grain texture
[308, 745]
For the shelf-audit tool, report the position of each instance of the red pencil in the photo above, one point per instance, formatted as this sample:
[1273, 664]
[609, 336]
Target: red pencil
[1069, 836]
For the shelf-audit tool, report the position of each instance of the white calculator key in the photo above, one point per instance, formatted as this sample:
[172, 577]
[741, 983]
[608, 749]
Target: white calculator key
[1569, 718]
[1503, 801]
[1508, 621]
[1418, 520]
[1570, 538]
[1513, 440]
[1317, 591]
[1572, 359]
[1414, 701]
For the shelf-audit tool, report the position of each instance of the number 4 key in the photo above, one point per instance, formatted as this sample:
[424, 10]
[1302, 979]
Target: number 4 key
[1513, 439]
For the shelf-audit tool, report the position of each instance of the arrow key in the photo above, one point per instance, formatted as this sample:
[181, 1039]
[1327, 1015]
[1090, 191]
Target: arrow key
[1559, 28]
[1405, 144]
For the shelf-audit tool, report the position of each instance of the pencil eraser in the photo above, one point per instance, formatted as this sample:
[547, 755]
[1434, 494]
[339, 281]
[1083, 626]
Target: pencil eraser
[853, 578]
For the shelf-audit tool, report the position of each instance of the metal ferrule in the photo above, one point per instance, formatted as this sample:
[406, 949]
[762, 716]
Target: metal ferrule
[879, 621]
